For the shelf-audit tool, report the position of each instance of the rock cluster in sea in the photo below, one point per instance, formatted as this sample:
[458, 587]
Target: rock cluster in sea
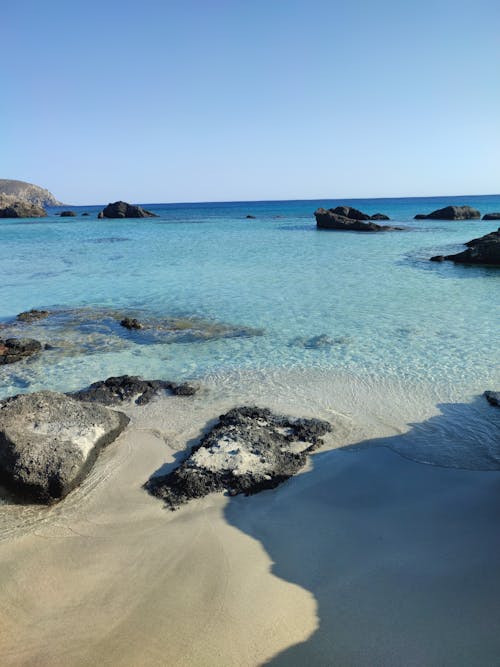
[121, 209]
[17, 349]
[484, 250]
[116, 390]
[346, 218]
[450, 213]
[49, 442]
[248, 450]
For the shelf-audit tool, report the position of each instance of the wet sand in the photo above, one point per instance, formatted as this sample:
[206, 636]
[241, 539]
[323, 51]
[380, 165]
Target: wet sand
[365, 558]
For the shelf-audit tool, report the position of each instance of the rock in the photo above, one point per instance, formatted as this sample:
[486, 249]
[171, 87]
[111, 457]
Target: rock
[315, 342]
[451, 213]
[484, 250]
[67, 214]
[491, 216]
[350, 212]
[17, 349]
[85, 214]
[332, 220]
[131, 323]
[248, 450]
[116, 390]
[100, 215]
[121, 209]
[250, 217]
[13, 208]
[32, 315]
[49, 442]
[493, 397]
[438, 258]
[379, 216]
[27, 192]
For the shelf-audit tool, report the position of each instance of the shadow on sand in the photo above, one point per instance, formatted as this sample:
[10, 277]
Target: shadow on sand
[401, 558]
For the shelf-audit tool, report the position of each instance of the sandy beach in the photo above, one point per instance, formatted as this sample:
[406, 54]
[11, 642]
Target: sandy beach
[365, 558]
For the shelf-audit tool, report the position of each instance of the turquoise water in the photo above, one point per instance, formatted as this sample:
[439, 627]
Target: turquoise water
[378, 306]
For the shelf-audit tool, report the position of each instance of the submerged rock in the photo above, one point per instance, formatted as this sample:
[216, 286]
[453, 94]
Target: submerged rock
[493, 397]
[124, 388]
[250, 217]
[450, 213]
[484, 250]
[32, 315]
[17, 349]
[49, 442]
[131, 323]
[316, 342]
[248, 450]
[332, 219]
[121, 209]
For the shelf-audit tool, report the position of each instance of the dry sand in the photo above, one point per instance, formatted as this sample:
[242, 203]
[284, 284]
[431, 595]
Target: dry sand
[365, 559]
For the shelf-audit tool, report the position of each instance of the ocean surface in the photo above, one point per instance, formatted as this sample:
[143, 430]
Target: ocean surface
[224, 295]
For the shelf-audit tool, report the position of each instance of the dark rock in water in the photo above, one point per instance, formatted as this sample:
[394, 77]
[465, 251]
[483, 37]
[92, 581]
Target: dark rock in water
[451, 213]
[379, 216]
[32, 315]
[116, 390]
[493, 397]
[84, 214]
[350, 212]
[17, 349]
[11, 208]
[491, 216]
[332, 220]
[248, 450]
[131, 323]
[484, 250]
[250, 217]
[121, 209]
[438, 258]
[100, 215]
[67, 214]
[315, 342]
[49, 442]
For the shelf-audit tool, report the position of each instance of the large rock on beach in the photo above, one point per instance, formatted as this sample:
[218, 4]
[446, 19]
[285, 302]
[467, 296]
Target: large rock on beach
[121, 209]
[332, 219]
[484, 250]
[451, 213]
[17, 349]
[17, 208]
[49, 442]
[125, 388]
[248, 450]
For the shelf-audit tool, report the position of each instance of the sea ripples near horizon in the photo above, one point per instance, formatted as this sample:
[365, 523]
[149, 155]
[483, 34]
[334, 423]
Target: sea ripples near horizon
[294, 297]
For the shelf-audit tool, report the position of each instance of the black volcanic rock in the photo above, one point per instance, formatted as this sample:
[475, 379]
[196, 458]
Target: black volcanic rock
[484, 250]
[329, 219]
[121, 209]
[250, 449]
[451, 213]
[17, 349]
[116, 390]
[491, 216]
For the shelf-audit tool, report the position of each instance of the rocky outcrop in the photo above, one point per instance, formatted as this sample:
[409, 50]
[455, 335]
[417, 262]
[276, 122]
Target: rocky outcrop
[125, 388]
[49, 442]
[121, 209]
[493, 398]
[17, 349]
[379, 216]
[32, 315]
[27, 192]
[484, 250]
[67, 214]
[491, 216]
[248, 450]
[250, 217]
[332, 219]
[131, 323]
[10, 207]
[451, 213]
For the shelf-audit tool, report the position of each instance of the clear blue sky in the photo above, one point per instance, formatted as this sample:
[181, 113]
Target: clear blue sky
[206, 100]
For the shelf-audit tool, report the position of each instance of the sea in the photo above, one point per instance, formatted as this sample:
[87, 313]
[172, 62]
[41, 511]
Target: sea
[266, 306]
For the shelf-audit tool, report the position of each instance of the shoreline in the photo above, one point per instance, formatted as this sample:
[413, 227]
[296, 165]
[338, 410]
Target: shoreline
[109, 576]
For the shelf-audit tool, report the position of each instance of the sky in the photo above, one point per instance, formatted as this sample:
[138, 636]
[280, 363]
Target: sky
[218, 100]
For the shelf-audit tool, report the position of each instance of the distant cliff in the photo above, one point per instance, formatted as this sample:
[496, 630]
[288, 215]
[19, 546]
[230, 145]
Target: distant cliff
[21, 191]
